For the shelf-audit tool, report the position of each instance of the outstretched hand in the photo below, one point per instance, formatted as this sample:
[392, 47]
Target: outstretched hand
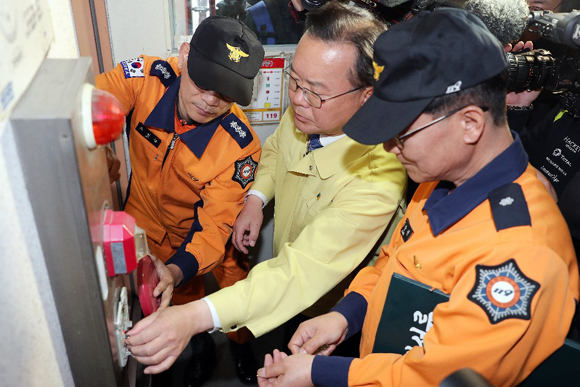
[166, 282]
[281, 370]
[159, 339]
[319, 335]
[247, 225]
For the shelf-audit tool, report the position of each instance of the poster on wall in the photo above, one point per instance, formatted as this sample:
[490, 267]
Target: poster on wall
[25, 37]
[266, 105]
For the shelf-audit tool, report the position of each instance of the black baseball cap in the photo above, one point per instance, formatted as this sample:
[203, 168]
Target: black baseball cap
[225, 56]
[432, 54]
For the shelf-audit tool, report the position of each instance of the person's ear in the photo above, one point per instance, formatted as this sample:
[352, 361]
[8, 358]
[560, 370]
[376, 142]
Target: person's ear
[183, 55]
[473, 121]
[366, 94]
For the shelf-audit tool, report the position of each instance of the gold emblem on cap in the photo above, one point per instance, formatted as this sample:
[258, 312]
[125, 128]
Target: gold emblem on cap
[378, 70]
[236, 53]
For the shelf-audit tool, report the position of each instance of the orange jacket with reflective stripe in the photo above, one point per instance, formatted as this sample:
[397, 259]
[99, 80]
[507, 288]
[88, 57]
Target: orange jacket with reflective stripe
[188, 187]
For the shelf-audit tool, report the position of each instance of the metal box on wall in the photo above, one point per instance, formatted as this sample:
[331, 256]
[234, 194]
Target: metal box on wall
[69, 191]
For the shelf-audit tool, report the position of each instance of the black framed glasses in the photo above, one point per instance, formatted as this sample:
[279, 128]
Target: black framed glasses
[400, 139]
[310, 96]
[533, 8]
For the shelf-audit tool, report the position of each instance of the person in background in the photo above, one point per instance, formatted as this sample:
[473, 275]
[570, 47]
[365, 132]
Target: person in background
[548, 99]
[273, 23]
[193, 157]
[548, 126]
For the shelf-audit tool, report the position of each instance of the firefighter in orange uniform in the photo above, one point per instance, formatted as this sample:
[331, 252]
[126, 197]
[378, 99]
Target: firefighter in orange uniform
[193, 152]
[482, 240]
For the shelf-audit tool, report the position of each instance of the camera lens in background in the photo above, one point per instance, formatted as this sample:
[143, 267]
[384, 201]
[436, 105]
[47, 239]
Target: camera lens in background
[563, 28]
[530, 70]
[538, 68]
[312, 4]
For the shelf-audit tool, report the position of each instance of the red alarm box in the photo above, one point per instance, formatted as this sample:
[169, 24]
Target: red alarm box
[119, 231]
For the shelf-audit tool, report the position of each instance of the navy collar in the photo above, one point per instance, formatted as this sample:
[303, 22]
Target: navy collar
[198, 139]
[446, 206]
[163, 117]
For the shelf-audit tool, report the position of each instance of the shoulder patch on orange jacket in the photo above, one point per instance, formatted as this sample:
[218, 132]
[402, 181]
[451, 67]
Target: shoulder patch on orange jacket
[244, 171]
[509, 207]
[237, 129]
[133, 68]
[163, 70]
[503, 291]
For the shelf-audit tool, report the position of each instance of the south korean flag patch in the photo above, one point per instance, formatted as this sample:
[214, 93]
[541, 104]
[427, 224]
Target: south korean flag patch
[503, 291]
[244, 171]
[133, 68]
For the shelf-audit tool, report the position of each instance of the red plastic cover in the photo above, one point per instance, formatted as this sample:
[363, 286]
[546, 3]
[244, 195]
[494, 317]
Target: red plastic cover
[119, 242]
[147, 280]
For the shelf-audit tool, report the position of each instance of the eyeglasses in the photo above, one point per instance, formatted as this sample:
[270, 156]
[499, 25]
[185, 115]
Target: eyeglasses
[311, 97]
[533, 8]
[400, 139]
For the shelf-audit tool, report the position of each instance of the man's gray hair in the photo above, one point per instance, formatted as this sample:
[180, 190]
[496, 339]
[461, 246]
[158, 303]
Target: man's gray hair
[336, 22]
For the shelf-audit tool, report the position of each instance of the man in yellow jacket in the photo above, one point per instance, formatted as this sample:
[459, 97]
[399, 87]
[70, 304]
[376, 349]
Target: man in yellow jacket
[482, 238]
[334, 199]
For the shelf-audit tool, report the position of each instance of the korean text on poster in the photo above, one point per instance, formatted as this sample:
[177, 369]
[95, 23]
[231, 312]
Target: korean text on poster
[266, 105]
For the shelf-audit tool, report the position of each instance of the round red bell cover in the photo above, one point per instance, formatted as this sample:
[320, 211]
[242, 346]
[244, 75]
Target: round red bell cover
[147, 280]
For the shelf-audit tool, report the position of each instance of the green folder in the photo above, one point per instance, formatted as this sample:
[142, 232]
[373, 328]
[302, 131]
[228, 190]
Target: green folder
[408, 315]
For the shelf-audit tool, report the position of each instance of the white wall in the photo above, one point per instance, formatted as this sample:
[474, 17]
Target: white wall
[139, 27]
[64, 45]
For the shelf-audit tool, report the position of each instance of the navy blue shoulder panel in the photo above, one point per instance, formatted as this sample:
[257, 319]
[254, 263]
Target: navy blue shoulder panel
[163, 70]
[237, 129]
[509, 207]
